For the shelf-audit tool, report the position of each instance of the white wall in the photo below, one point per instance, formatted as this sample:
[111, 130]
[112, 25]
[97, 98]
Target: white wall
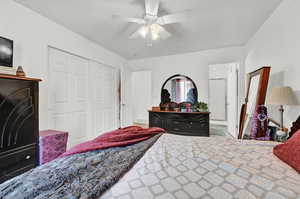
[277, 44]
[33, 33]
[141, 94]
[218, 71]
[194, 65]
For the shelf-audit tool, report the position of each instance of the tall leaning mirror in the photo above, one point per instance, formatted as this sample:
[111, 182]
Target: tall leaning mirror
[257, 85]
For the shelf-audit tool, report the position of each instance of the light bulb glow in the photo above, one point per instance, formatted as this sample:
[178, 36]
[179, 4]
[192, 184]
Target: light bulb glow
[155, 36]
[155, 30]
[144, 30]
[150, 31]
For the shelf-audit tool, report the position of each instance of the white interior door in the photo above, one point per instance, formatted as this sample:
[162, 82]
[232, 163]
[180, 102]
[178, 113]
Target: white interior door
[68, 95]
[217, 99]
[104, 99]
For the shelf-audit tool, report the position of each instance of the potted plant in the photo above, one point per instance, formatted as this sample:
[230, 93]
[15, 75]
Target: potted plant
[201, 107]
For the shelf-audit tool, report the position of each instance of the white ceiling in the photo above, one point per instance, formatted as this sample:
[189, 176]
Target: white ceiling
[212, 23]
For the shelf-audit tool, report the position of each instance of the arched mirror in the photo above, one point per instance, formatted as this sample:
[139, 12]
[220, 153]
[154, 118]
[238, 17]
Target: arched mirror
[179, 89]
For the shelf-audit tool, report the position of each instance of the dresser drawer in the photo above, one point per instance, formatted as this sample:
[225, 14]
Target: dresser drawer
[188, 117]
[155, 120]
[17, 160]
[179, 125]
[15, 173]
[187, 126]
[201, 133]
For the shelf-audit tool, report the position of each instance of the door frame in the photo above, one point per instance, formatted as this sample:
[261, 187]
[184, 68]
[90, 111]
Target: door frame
[238, 69]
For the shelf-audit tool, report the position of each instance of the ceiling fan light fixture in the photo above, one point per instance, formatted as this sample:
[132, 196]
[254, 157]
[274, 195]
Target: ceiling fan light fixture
[144, 30]
[155, 28]
[152, 25]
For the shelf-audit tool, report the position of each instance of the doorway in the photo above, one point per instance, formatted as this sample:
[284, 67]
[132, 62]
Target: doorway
[223, 96]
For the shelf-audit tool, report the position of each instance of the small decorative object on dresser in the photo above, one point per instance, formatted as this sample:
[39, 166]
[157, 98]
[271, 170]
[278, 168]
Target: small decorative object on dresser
[19, 124]
[177, 113]
[201, 107]
[20, 72]
[52, 144]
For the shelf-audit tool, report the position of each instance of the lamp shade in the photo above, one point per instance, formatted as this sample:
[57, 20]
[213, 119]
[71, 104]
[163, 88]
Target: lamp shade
[282, 96]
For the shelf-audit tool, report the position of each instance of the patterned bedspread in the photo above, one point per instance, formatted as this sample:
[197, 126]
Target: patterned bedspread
[180, 167]
[80, 176]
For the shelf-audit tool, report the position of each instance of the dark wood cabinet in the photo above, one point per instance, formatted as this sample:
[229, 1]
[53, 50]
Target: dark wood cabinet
[193, 124]
[19, 128]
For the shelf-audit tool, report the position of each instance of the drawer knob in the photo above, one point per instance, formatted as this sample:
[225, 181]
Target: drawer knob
[27, 157]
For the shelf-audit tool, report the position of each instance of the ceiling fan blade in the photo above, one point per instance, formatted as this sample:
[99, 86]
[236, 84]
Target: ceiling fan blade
[129, 19]
[136, 20]
[135, 35]
[164, 34]
[172, 18]
[152, 7]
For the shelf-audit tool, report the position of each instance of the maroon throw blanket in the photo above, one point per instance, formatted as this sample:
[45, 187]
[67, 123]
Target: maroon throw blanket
[117, 138]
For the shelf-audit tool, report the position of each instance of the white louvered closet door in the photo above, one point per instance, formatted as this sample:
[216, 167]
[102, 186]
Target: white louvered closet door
[103, 98]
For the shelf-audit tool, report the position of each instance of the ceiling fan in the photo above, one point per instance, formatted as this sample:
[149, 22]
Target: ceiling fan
[152, 25]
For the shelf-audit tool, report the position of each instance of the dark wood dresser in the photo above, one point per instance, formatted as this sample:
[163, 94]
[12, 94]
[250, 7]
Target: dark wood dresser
[182, 123]
[19, 125]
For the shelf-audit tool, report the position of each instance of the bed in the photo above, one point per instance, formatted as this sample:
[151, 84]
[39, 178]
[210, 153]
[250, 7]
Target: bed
[181, 167]
[208, 167]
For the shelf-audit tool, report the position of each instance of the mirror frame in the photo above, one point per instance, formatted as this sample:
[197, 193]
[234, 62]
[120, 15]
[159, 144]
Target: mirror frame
[264, 73]
[178, 75]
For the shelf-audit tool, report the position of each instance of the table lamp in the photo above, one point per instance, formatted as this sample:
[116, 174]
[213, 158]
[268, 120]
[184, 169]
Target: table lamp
[282, 96]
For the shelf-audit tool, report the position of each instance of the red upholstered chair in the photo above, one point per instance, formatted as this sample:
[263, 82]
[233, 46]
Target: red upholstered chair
[52, 144]
[289, 152]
